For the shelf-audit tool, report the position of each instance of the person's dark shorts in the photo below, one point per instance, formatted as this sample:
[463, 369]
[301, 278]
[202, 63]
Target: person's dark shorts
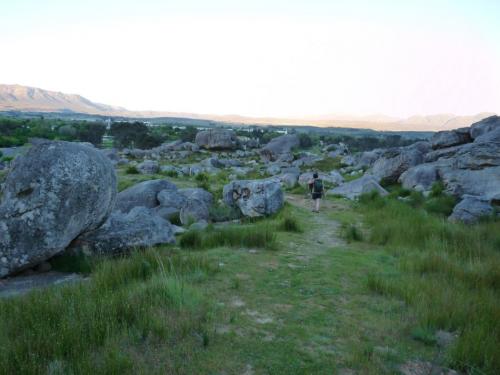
[316, 195]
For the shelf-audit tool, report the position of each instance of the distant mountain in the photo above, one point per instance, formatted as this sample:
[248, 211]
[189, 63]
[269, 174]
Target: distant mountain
[31, 99]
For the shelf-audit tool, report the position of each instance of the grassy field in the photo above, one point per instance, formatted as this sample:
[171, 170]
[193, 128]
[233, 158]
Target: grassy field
[359, 288]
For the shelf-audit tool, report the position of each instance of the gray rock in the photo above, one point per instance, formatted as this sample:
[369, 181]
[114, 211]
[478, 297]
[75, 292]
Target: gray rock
[193, 211]
[368, 158]
[420, 177]
[394, 162]
[336, 150]
[254, 197]
[212, 162]
[273, 169]
[143, 194]
[279, 146]
[484, 126]
[217, 139]
[148, 167]
[171, 198]
[471, 209]
[111, 154]
[200, 225]
[122, 233]
[20, 285]
[55, 192]
[330, 179]
[450, 138]
[355, 188]
[348, 160]
[198, 194]
[289, 180]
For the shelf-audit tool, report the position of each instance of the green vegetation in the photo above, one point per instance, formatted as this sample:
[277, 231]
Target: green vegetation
[129, 312]
[132, 169]
[327, 164]
[449, 273]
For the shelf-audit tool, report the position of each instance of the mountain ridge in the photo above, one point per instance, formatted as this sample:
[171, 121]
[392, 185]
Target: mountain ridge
[33, 99]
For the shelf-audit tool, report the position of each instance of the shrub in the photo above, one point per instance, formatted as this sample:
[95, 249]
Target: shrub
[224, 212]
[351, 233]
[191, 240]
[437, 189]
[440, 205]
[290, 224]
[171, 173]
[131, 170]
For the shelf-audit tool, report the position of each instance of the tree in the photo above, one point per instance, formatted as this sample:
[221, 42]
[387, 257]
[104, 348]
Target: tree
[189, 134]
[128, 134]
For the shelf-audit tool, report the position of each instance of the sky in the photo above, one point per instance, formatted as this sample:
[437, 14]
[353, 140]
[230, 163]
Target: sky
[294, 58]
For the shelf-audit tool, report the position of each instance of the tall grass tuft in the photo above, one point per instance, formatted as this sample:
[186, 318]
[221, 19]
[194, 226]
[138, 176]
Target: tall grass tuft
[450, 274]
[290, 224]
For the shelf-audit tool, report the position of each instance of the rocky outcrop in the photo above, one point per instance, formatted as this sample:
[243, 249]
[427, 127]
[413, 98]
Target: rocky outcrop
[144, 194]
[355, 188]
[280, 148]
[254, 197]
[393, 162]
[55, 192]
[450, 138]
[217, 139]
[471, 209]
[333, 178]
[484, 126]
[124, 232]
[193, 211]
[199, 194]
[420, 177]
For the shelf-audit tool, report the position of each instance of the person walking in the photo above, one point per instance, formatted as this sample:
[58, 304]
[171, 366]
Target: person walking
[317, 190]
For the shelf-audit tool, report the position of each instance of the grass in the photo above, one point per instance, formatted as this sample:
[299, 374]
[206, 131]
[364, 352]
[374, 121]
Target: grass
[327, 164]
[255, 236]
[290, 224]
[106, 324]
[450, 273]
[132, 170]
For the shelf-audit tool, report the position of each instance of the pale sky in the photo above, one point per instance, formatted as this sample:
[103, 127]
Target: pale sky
[287, 58]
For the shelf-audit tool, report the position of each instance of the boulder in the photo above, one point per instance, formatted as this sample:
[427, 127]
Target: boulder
[148, 167]
[329, 179]
[280, 147]
[55, 192]
[336, 150]
[420, 177]
[471, 209]
[124, 232]
[273, 169]
[449, 138]
[193, 211]
[254, 197]
[368, 158]
[197, 194]
[212, 162]
[348, 160]
[355, 188]
[144, 194]
[111, 154]
[289, 180]
[395, 161]
[484, 126]
[217, 139]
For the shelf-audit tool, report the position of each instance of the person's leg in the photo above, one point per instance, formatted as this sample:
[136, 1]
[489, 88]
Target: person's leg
[317, 204]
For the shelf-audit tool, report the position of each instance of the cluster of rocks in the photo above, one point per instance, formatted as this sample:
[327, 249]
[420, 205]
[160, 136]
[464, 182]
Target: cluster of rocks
[62, 196]
[466, 161]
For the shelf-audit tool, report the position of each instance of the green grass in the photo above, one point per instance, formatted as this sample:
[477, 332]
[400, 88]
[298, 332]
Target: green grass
[450, 273]
[132, 170]
[109, 323]
[254, 236]
[290, 224]
[327, 164]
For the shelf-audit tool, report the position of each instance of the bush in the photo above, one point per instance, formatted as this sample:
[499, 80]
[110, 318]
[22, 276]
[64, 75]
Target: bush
[440, 205]
[224, 212]
[351, 233]
[132, 170]
[171, 173]
[290, 224]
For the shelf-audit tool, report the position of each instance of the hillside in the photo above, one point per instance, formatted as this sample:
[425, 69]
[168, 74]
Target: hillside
[31, 99]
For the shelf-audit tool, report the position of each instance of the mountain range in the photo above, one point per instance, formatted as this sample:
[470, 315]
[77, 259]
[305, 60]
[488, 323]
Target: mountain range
[32, 99]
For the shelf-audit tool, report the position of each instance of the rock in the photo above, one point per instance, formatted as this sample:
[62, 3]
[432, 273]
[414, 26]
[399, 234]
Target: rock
[171, 198]
[289, 180]
[273, 169]
[212, 162]
[111, 154]
[450, 138]
[20, 285]
[55, 192]
[167, 213]
[394, 162]
[418, 367]
[217, 139]
[355, 188]
[124, 232]
[330, 179]
[484, 126]
[420, 177]
[306, 161]
[200, 225]
[445, 339]
[198, 194]
[368, 158]
[148, 167]
[194, 210]
[471, 209]
[254, 197]
[279, 146]
[178, 230]
[143, 194]
[491, 136]
[348, 160]
[337, 150]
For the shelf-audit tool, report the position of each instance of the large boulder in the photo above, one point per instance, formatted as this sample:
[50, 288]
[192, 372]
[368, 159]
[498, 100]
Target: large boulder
[193, 211]
[367, 158]
[280, 147]
[394, 162]
[449, 138]
[420, 177]
[124, 232]
[55, 192]
[143, 194]
[484, 126]
[471, 209]
[198, 194]
[217, 139]
[254, 197]
[355, 188]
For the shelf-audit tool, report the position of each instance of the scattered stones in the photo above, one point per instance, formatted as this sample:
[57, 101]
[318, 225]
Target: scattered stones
[148, 167]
